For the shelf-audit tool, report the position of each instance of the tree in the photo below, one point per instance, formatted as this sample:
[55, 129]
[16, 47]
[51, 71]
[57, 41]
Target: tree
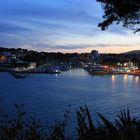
[126, 12]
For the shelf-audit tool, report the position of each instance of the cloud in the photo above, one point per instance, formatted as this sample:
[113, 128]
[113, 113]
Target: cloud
[11, 28]
[73, 47]
[58, 25]
[67, 47]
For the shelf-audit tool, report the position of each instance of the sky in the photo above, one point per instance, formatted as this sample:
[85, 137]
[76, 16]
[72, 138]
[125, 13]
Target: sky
[61, 26]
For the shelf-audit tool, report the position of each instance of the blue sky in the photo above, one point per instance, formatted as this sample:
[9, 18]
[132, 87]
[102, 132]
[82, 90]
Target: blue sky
[61, 25]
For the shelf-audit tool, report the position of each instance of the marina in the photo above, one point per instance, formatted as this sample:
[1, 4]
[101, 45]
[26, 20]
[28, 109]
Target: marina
[70, 70]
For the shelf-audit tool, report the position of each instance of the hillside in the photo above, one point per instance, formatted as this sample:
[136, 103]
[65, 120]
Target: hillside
[132, 52]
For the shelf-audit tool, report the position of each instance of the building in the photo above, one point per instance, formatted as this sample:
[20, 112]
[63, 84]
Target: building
[9, 57]
[94, 56]
[2, 58]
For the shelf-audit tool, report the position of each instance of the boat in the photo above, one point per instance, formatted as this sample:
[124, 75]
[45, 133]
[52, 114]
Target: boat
[52, 71]
[97, 69]
[18, 75]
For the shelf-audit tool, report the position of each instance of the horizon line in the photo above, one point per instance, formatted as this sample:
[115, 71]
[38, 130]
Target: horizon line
[65, 52]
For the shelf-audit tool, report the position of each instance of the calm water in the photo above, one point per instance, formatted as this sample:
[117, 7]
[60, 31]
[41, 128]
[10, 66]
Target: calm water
[48, 96]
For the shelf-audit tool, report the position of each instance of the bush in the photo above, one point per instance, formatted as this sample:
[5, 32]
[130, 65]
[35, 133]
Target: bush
[21, 127]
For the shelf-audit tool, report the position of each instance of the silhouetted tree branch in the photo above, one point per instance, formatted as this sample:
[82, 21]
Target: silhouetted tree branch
[126, 12]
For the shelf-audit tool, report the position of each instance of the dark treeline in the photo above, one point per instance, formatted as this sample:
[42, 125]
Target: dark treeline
[40, 57]
[58, 57]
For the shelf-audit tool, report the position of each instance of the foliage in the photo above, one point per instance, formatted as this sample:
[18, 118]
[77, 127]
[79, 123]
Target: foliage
[124, 128]
[85, 127]
[126, 12]
[21, 127]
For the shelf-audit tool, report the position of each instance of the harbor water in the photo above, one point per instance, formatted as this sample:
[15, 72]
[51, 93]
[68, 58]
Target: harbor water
[48, 96]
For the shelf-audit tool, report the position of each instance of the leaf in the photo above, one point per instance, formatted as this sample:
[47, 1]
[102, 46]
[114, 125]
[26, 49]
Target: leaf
[108, 124]
[16, 105]
[91, 126]
[22, 114]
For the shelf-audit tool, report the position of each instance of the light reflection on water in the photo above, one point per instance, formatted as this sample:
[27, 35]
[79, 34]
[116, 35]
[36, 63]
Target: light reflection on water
[49, 95]
[113, 81]
[135, 80]
[125, 78]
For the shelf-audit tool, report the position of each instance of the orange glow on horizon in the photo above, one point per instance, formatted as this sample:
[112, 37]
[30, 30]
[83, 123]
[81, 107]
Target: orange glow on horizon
[100, 49]
[109, 49]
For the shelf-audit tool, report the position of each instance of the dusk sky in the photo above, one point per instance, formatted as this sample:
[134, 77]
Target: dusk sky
[61, 25]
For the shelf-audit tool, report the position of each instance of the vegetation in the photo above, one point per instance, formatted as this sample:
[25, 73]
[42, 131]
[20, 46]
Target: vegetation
[74, 58]
[41, 57]
[124, 127]
[126, 12]
[22, 128]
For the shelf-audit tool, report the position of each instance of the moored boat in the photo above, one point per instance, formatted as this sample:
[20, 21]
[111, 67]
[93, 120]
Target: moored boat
[18, 75]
